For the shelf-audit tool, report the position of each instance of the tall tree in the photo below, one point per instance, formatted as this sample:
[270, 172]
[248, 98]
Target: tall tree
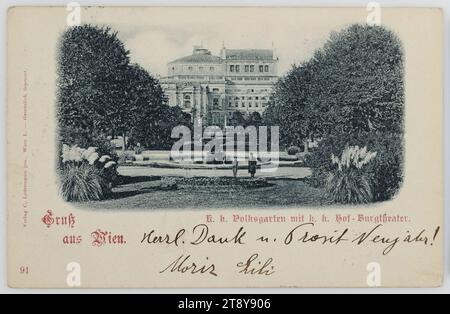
[100, 93]
[153, 131]
[353, 84]
[350, 93]
[145, 101]
[357, 84]
[290, 109]
[149, 120]
[92, 67]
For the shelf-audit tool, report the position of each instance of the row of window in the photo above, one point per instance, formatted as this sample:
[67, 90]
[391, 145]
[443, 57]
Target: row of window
[243, 104]
[249, 98]
[214, 77]
[248, 68]
[195, 77]
[250, 104]
[248, 78]
[233, 68]
[248, 90]
[187, 104]
[237, 98]
[201, 69]
[188, 97]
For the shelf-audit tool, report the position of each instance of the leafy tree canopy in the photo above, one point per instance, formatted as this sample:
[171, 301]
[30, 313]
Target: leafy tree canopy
[92, 65]
[354, 84]
[101, 93]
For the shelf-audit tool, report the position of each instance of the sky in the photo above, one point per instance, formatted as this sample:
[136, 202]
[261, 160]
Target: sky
[157, 36]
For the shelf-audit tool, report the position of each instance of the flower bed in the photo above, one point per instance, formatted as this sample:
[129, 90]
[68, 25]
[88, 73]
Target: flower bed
[178, 182]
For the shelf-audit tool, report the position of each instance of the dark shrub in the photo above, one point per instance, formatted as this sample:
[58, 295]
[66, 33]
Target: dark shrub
[80, 183]
[385, 172]
[293, 150]
[85, 175]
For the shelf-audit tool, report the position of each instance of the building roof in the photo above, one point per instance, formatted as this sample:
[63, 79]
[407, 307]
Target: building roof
[199, 55]
[198, 58]
[249, 54]
[202, 55]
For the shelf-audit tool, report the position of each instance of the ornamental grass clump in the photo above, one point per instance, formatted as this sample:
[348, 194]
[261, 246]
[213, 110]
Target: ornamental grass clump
[349, 182]
[85, 176]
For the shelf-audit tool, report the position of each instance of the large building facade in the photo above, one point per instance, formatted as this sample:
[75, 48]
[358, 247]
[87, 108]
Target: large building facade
[212, 88]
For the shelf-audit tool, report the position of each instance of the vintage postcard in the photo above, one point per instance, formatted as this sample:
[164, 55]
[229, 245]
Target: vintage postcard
[225, 147]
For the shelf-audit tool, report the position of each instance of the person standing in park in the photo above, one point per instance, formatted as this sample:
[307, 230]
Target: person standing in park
[235, 166]
[252, 165]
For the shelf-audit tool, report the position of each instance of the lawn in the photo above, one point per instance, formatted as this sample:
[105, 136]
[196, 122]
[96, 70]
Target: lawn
[145, 192]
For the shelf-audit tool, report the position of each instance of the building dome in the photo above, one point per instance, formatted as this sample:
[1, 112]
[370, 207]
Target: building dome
[199, 55]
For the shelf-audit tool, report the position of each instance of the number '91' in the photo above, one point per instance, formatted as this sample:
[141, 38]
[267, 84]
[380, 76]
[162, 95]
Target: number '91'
[23, 270]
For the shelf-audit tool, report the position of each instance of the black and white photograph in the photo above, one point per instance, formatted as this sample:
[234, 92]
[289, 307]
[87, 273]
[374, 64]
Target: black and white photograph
[189, 114]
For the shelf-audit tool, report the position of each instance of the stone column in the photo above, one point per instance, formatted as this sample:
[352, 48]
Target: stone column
[194, 103]
[203, 99]
[177, 96]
